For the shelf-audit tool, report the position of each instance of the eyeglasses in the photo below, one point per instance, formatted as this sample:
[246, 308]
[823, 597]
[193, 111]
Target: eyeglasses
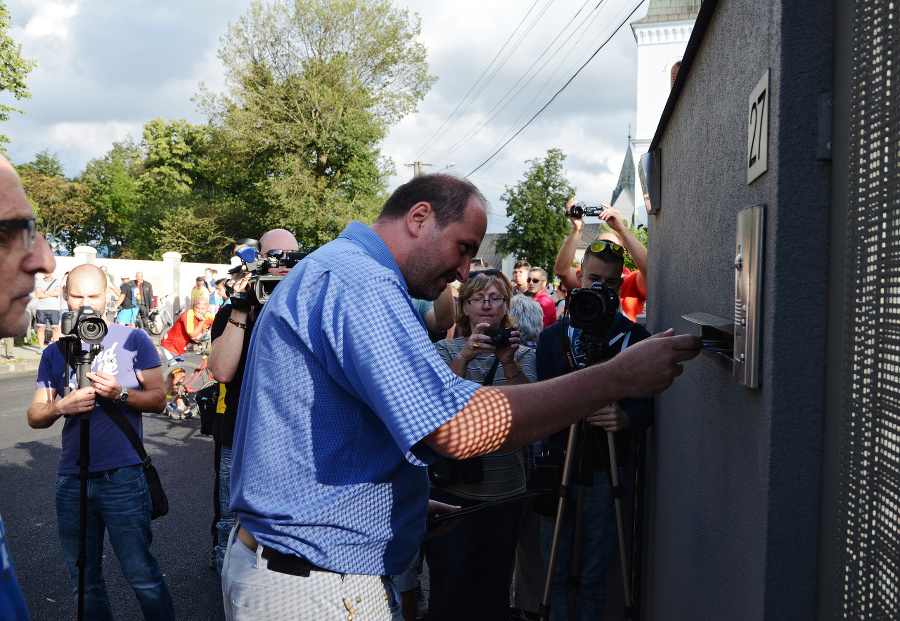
[535, 280]
[26, 225]
[485, 272]
[601, 245]
[491, 301]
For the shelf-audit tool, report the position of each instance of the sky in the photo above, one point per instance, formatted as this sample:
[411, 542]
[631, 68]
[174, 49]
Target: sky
[107, 67]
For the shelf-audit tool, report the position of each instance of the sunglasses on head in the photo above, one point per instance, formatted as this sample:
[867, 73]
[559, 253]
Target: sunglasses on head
[485, 272]
[601, 245]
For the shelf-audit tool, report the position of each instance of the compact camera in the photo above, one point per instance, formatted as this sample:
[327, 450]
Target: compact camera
[499, 336]
[86, 323]
[579, 210]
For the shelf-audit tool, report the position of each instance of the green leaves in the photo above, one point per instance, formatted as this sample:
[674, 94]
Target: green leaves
[13, 69]
[537, 206]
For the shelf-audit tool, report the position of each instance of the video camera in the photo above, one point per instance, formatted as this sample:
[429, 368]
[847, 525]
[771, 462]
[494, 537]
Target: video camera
[86, 324]
[258, 265]
[579, 210]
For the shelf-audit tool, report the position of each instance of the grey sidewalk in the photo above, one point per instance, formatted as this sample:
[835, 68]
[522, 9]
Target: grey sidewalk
[25, 358]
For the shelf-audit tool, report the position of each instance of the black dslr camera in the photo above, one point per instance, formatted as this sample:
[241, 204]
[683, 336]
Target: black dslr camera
[86, 324]
[579, 210]
[594, 311]
[258, 265]
[499, 336]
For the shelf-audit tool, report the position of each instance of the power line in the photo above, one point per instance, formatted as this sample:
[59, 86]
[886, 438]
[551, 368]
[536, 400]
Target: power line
[448, 123]
[552, 99]
[510, 94]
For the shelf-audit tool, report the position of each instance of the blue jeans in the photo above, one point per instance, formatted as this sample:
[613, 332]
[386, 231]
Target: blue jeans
[599, 543]
[226, 516]
[120, 504]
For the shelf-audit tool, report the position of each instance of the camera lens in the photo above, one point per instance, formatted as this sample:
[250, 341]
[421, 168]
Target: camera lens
[92, 330]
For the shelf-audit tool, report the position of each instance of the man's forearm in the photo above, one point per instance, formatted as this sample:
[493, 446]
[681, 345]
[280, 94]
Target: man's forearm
[563, 265]
[147, 400]
[636, 249]
[444, 311]
[43, 415]
[513, 416]
[226, 350]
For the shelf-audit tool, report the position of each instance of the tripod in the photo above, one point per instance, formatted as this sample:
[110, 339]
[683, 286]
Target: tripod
[597, 350]
[81, 362]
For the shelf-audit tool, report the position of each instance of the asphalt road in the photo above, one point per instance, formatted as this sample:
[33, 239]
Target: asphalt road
[181, 539]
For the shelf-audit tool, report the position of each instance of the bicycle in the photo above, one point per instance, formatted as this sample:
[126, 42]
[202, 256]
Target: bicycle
[159, 317]
[184, 380]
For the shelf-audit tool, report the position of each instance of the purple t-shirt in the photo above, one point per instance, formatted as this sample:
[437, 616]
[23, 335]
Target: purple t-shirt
[125, 350]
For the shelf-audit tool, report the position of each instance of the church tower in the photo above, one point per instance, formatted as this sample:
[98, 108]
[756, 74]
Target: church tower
[661, 37]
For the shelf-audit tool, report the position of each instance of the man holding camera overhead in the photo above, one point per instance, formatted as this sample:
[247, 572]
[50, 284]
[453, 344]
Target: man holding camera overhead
[230, 336]
[127, 372]
[633, 292]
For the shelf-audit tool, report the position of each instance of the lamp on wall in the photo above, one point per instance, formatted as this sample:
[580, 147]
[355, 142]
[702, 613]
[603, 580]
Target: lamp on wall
[649, 173]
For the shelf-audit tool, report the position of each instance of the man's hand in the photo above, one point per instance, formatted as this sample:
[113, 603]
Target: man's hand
[76, 402]
[649, 367]
[613, 218]
[577, 223]
[436, 508]
[611, 418]
[105, 385]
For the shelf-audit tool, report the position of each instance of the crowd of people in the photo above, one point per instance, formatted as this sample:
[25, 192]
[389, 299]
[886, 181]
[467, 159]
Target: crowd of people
[396, 397]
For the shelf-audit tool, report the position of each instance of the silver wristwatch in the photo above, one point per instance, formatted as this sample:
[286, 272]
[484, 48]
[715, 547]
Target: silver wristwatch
[123, 396]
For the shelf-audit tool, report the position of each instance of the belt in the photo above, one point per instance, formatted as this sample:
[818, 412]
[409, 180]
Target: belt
[278, 561]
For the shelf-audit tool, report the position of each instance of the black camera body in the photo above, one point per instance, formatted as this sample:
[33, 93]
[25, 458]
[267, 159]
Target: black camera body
[499, 336]
[593, 309]
[580, 210]
[86, 324]
[258, 265]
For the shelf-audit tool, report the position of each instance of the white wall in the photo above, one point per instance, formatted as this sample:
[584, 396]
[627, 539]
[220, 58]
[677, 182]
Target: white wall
[162, 275]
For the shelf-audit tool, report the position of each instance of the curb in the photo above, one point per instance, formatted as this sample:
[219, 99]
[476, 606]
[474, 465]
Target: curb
[19, 367]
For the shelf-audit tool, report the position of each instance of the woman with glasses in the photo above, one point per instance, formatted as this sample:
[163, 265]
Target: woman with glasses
[470, 566]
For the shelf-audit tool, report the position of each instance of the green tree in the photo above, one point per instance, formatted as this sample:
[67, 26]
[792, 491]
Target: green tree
[537, 206]
[115, 195]
[62, 206]
[13, 70]
[313, 86]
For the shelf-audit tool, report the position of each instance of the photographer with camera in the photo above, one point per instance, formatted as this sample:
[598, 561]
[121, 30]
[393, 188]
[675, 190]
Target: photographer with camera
[470, 566]
[633, 292]
[230, 335]
[611, 332]
[127, 373]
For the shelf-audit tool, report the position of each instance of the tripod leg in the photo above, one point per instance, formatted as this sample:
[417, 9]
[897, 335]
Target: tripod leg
[567, 472]
[575, 573]
[617, 490]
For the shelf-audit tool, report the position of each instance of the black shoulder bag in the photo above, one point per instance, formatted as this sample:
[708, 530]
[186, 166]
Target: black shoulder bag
[448, 471]
[157, 494]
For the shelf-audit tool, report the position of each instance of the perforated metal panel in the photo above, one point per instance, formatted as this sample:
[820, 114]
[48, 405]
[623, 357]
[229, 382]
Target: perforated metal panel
[869, 549]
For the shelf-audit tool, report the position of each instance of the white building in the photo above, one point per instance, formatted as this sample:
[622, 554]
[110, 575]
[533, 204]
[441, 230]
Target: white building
[661, 37]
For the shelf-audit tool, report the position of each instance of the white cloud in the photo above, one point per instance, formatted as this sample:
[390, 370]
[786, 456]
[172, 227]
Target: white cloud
[51, 20]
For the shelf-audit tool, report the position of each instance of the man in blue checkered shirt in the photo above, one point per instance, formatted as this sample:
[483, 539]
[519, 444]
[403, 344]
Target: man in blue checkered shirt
[345, 401]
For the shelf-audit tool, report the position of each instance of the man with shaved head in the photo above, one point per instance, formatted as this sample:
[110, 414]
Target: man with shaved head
[230, 336]
[23, 253]
[128, 375]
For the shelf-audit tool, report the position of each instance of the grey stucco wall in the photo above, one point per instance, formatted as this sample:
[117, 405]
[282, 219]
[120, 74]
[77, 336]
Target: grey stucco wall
[733, 476]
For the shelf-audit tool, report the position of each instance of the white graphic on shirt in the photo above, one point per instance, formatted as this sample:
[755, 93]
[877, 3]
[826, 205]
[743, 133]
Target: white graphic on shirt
[106, 362]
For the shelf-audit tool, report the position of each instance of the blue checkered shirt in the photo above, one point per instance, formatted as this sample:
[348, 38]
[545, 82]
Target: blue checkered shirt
[341, 386]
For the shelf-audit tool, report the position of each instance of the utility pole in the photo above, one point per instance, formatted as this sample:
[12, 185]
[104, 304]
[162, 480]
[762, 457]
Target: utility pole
[417, 168]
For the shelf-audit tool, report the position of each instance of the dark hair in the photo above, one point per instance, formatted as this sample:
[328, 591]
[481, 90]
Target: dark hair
[522, 263]
[447, 195]
[607, 256]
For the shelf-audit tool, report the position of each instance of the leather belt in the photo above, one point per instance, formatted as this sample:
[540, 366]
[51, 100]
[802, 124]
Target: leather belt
[278, 561]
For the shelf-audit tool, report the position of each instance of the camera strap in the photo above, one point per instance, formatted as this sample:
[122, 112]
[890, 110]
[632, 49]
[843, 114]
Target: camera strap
[566, 344]
[493, 371]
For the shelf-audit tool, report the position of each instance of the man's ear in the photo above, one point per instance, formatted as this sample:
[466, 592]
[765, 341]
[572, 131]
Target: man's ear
[418, 218]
